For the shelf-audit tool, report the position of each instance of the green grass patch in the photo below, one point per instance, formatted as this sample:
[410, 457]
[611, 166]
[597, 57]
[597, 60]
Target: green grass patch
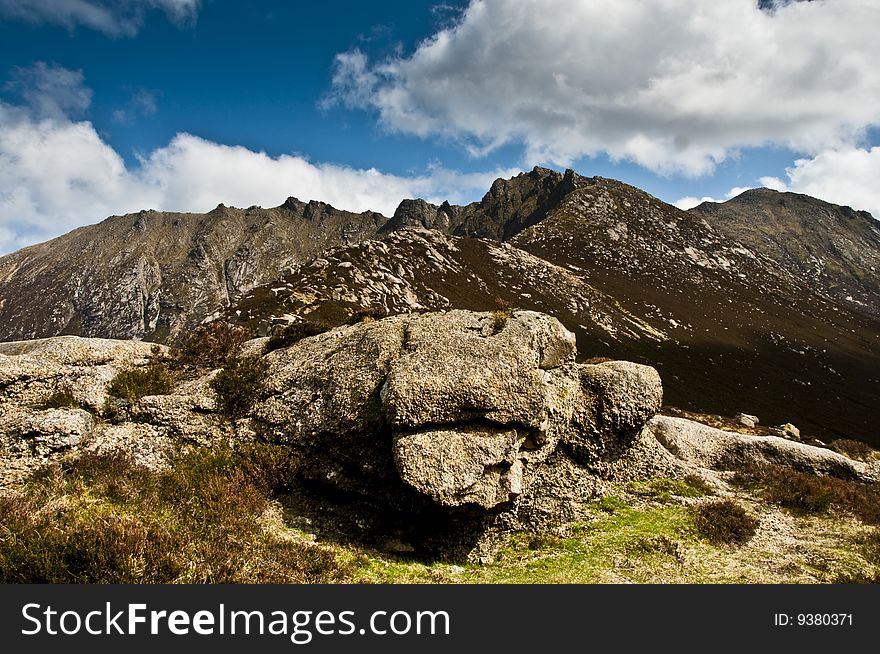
[664, 489]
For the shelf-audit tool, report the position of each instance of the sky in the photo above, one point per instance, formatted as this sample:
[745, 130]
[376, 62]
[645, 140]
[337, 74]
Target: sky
[109, 107]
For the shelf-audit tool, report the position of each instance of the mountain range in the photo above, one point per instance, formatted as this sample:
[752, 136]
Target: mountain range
[767, 304]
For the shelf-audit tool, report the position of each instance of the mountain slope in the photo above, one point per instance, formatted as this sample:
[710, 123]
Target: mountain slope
[153, 275]
[836, 250]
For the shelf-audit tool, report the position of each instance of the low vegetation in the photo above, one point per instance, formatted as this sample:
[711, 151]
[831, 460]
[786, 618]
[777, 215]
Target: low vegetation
[853, 449]
[295, 332]
[808, 494]
[725, 522]
[211, 346]
[61, 399]
[133, 384]
[366, 315]
[103, 519]
[238, 385]
[502, 313]
[665, 489]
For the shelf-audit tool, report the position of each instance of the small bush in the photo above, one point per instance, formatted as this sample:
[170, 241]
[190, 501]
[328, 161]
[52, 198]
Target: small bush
[211, 346]
[238, 386]
[153, 379]
[503, 312]
[295, 332]
[724, 522]
[852, 448]
[62, 399]
[366, 315]
[810, 494]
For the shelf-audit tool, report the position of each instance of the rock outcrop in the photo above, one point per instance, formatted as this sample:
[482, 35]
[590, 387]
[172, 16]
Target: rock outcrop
[439, 419]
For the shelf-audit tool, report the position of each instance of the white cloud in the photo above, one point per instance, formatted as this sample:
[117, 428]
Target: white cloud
[57, 174]
[847, 175]
[690, 202]
[50, 91]
[675, 86]
[112, 17]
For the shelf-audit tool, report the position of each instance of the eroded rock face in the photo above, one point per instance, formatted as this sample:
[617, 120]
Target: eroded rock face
[619, 398]
[34, 375]
[455, 467]
[453, 368]
[460, 408]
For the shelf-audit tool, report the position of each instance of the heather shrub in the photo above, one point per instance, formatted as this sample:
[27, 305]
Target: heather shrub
[811, 494]
[211, 346]
[135, 383]
[852, 448]
[724, 522]
[104, 519]
[238, 385]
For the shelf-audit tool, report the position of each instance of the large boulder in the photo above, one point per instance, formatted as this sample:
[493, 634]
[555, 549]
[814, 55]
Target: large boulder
[455, 368]
[461, 407]
[619, 398]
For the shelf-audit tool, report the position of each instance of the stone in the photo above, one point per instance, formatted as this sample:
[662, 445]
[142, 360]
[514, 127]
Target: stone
[463, 466]
[619, 398]
[746, 420]
[708, 447]
[454, 369]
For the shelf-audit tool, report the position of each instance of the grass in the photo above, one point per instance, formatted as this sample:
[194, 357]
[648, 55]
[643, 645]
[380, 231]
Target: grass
[664, 489]
[103, 519]
[62, 399]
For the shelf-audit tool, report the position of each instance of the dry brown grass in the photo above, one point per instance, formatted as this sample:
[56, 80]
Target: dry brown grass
[102, 519]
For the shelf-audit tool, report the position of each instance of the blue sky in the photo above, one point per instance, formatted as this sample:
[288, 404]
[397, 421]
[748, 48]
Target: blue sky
[109, 107]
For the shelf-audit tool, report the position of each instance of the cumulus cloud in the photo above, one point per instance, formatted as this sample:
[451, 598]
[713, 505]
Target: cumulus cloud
[57, 174]
[675, 86]
[847, 175]
[112, 17]
[689, 202]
